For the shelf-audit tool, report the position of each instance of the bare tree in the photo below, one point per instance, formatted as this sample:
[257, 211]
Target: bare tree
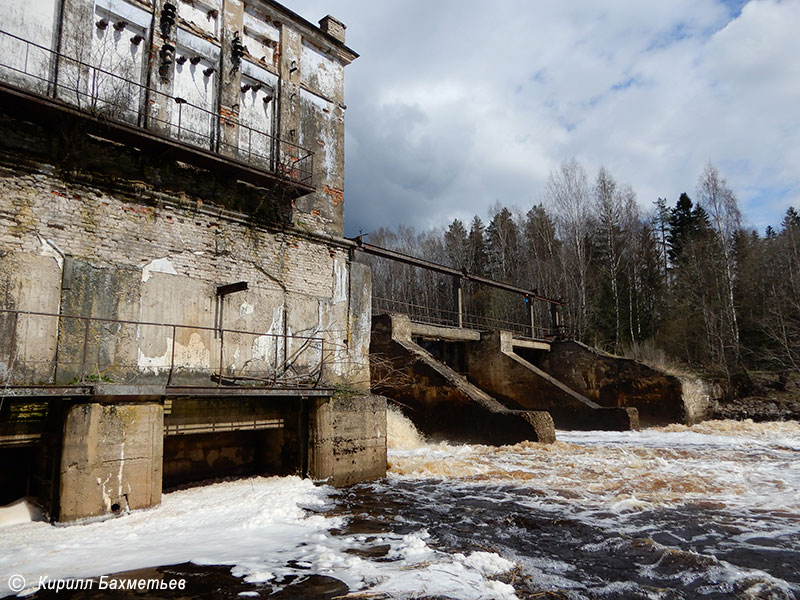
[723, 210]
[568, 193]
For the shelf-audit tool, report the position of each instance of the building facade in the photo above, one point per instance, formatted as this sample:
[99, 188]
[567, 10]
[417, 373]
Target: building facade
[171, 251]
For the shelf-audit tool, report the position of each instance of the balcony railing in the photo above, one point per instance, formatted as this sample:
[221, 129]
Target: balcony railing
[40, 349]
[111, 98]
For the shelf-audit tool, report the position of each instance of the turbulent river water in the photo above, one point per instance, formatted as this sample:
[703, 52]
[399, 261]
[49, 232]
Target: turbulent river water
[710, 511]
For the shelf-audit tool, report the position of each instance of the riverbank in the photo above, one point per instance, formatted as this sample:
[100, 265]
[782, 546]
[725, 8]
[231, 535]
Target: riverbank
[768, 397]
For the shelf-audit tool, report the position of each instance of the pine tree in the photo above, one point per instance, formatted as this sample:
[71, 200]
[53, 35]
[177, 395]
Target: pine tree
[456, 244]
[502, 246]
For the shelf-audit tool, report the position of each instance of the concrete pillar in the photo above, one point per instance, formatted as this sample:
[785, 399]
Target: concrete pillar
[230, 78]
[111, 459]
[347, 439]
[458, 301]
[359, 325]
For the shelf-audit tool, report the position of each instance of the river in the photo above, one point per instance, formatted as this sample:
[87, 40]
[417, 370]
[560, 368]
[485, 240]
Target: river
[710, 511]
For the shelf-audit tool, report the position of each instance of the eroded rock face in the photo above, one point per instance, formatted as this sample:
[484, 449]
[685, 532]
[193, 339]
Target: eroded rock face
[760, 409]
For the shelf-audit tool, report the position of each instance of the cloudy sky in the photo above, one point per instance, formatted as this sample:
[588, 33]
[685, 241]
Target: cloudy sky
[457, 104]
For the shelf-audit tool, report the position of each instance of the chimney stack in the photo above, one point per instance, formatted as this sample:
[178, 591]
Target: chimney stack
[333, 27]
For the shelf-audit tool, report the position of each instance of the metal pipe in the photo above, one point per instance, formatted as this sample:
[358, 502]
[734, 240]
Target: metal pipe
[152, 323]
[432, 266]
[172, 357]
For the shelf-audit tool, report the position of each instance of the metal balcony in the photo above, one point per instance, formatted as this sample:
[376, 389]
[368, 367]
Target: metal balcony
[44, 85]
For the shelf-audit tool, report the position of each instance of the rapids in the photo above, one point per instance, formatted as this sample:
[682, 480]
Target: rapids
[708, 511]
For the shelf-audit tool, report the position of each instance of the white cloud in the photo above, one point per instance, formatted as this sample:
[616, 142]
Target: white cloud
[454, 105]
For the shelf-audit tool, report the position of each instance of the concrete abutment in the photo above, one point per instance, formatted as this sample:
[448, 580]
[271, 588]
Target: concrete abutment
[104, 458]
[442, 403]
[454, 382]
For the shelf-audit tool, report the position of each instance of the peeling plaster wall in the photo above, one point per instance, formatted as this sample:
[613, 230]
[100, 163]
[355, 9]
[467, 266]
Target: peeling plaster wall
[322, 130]
[287, 88]
[125, 260]
[37, 24]
[322, 73]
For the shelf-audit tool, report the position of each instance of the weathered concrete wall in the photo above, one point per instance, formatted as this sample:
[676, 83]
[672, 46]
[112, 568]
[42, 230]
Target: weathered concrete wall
[493, 364]
[172, 253]
[612, 381]
[29, 282]
[35, 21]
[111, 459]
[106, 292]
[197, 457]
[347, 438]
[440, 402]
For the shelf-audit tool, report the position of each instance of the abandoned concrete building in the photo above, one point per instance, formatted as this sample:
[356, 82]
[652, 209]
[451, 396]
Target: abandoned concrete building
[177, 301]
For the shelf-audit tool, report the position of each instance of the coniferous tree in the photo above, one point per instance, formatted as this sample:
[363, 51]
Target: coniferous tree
[476, 250]
[456, 243]
[503, 248]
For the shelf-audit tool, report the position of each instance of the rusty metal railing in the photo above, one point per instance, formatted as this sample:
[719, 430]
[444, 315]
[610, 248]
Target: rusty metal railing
[108, 96]
[429, 315]
[38, 348]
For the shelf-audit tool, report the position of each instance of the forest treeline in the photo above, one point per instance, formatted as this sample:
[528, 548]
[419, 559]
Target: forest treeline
[684, 281]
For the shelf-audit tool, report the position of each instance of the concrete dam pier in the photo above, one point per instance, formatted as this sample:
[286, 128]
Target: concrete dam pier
[494, 387]
[442, 403]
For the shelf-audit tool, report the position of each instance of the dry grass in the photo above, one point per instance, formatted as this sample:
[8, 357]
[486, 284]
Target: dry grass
[656, 358]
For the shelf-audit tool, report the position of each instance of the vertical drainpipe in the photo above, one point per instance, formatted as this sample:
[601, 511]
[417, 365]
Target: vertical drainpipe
[58, 36]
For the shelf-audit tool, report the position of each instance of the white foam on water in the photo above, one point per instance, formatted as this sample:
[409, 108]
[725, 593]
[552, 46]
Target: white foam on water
[267, 529]
[747, 472]
[752, 466]
[257, 526]
[18, 512]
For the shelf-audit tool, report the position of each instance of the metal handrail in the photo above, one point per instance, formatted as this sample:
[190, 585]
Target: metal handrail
[283, 157]
[277, 378]
[429, 315]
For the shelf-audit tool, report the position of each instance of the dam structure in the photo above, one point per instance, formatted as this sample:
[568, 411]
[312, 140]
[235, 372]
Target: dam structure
[476, 378]
[177, 300]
